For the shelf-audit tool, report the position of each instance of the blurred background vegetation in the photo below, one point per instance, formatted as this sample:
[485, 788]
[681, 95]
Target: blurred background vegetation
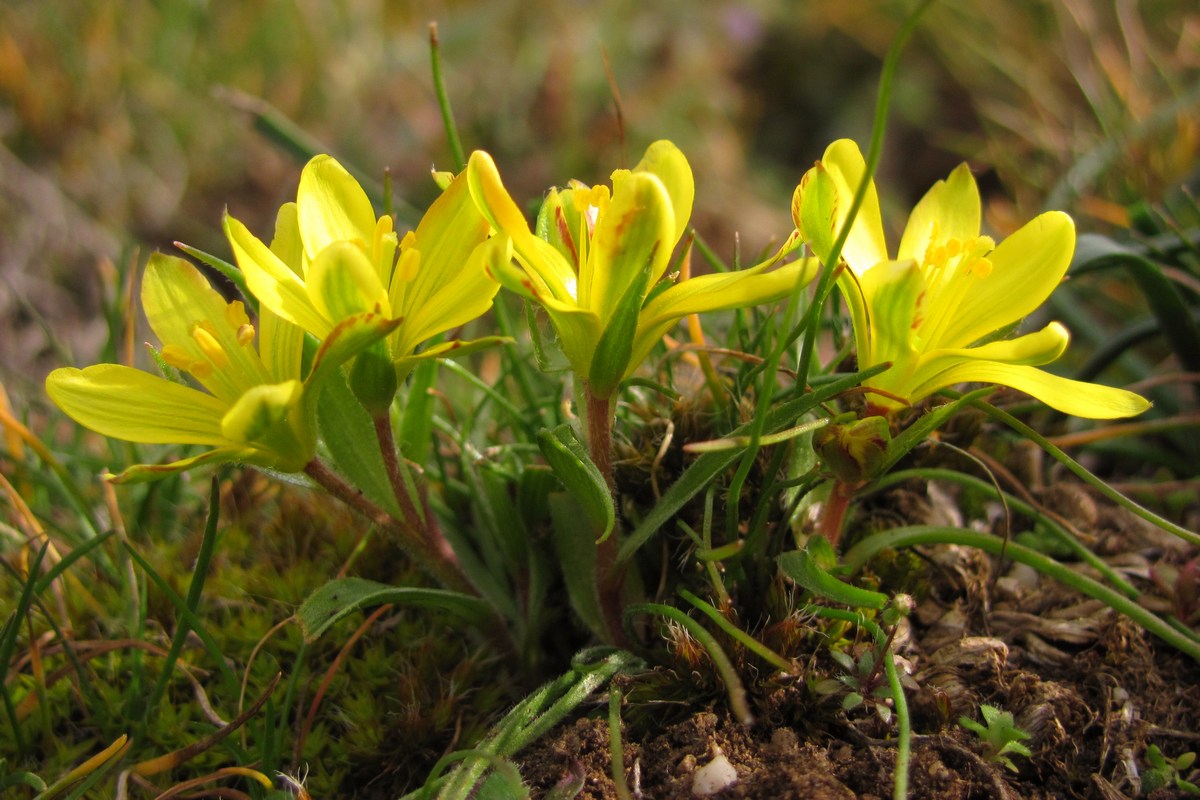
[128, 124]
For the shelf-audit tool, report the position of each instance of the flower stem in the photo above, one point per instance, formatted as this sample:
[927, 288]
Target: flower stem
[608, 576]
[407, 492]
[410, 539]
[834, 514]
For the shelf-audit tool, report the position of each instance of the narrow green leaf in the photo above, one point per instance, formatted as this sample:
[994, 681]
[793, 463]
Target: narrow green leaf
[222, 266]
[1094, 252]
[575, 546]
[801, 566]
[615, 348]
[917, 535]
[701, 472]
[571, 463]
[339, 598]
[349, 436]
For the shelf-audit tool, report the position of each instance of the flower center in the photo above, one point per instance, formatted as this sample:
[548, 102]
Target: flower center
[209, 353]
[952, 268]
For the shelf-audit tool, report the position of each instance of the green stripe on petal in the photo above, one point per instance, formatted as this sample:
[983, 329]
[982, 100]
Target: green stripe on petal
[813, 206]
[144, 473]
[632, 239]
[332, 207]
[1076, 398]
[342, 282]
[280, 345]
[126, 403]
[1026, 268]
[267, 418]
[273, 282]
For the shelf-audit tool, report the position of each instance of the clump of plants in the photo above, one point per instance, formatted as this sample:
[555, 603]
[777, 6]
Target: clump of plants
[657, 446]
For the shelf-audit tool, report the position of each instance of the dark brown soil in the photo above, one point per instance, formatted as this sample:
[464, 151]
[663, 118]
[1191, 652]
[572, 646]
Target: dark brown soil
[1090, 687]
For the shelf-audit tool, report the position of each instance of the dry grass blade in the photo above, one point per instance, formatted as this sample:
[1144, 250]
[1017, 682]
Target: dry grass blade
[171, 760]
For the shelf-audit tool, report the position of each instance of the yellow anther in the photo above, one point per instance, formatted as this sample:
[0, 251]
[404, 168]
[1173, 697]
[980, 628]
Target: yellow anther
[210, 346]
[176, 356]
[981, 268]
[201, 369]
[953, 247]
[245, 334]
[235, 314]
[408, 240]
[409, 263]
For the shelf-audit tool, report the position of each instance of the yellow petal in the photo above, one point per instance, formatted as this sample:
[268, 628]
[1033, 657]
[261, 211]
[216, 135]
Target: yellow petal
[332, 207]
[273, 282]
[1033, 349]
[540, 258]
[866, 245]
[343, 282]
[287, 244]
[666, 162]
[447, 238]
[1026, 268]
[451, 304]
[129, 404]
[949, 210]
[1076, 398]
[716, 292]
[632, 237]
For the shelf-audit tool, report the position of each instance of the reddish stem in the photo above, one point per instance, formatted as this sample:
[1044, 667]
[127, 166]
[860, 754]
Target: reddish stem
[411, 539]
[608, 575]
[834, 514]
[422, 518]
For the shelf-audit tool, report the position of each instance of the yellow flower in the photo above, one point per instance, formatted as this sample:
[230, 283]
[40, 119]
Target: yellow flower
[332, 259]
[936, 310]
[596, 253]
[254, 408]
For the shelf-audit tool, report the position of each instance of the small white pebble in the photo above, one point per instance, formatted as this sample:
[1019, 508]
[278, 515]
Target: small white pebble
[714, 776]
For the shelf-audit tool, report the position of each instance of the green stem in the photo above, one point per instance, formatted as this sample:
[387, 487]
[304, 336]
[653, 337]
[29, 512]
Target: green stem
[1038, 517]
[614, 744]
[883, 101]
[439, 87]
[408, 494]
[834, 514]
[915, 535]
[1087, 477]
[743, 638]
[410, 539]
[903, 722]
[729, 676]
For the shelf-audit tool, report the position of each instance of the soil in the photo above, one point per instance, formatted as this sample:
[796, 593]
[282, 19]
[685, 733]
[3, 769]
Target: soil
[1090, 687]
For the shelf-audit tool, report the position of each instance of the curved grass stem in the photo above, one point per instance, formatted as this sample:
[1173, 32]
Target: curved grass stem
[1082, 472]
[729, 676]
[743, 638]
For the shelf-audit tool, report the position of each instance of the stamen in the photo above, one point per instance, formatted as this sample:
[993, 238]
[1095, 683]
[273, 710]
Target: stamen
[205, 338]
